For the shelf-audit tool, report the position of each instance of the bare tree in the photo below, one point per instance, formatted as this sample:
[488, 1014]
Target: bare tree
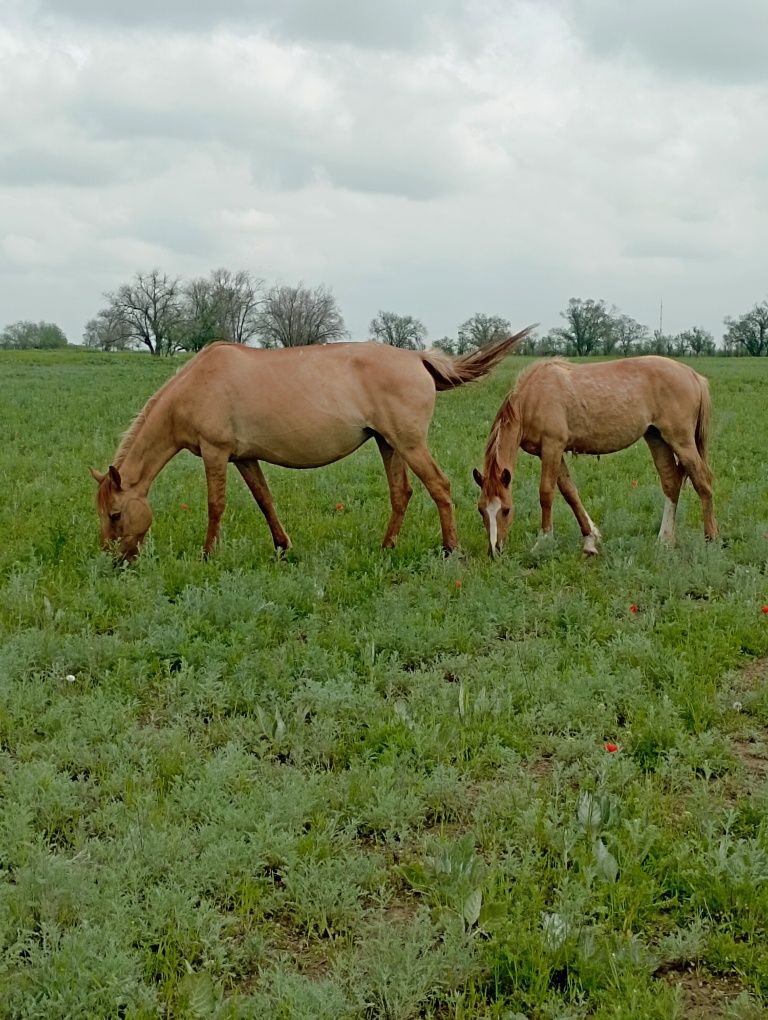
[298, 316]
[150, 309]
[221, 306]
[749, 332]
[588, 326]
[480, 330]
[399, 331]
[107, 331]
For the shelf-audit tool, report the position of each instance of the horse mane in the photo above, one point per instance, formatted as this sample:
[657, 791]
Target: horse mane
[134, 428]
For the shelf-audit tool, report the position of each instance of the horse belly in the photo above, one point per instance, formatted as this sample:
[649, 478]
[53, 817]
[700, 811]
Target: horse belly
[607, 437]
[301, 449]
[607, 431]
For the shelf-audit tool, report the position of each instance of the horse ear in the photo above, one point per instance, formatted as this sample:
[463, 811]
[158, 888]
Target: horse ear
[506, 477]
[477, 477]
[97, 476]
[114, 476]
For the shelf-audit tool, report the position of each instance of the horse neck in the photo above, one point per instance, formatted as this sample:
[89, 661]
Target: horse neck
[148, 451]
[502, 453]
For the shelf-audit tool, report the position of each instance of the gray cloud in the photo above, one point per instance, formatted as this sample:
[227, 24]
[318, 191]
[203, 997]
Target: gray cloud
[397, 24]
[687, 37]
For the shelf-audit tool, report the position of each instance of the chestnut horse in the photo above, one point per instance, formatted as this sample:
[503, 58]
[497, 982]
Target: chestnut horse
[299, 407]
[599, 408]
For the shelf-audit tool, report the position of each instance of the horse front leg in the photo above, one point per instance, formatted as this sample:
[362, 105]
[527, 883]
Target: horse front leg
[257, 483]
[571, 496]
[215, 461]
[551, 458]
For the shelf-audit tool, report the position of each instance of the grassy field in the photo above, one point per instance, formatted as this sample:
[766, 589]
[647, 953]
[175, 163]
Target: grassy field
[367, 784]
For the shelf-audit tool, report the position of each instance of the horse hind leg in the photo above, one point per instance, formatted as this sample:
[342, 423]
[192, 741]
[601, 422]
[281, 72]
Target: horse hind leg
[254, 478]
[671, 477]
[701, 478]
[571, 496]
[420, 461]
[400, 490]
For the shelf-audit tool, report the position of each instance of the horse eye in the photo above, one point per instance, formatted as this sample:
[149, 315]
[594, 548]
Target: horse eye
[115, 516]
[505, 511]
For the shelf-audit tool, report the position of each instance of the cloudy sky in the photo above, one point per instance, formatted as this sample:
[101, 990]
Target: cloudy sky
[434, 158]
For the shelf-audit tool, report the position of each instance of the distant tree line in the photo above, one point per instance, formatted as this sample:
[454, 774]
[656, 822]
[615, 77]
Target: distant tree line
[164, 314]
[27, 336]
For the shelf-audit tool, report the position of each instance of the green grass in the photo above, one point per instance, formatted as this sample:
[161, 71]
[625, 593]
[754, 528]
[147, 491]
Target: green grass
[368, 784]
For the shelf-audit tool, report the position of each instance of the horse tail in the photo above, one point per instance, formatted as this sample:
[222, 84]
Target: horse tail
[703, 423]
[448, 372]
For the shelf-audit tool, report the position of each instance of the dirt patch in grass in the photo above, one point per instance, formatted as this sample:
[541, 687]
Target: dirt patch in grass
[750, 746]
[705, 997]
[542, 767]
[753, 674]
[311, 957]
[753, 755]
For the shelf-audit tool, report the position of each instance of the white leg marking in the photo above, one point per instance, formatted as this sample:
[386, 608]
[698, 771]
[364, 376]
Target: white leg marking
[667, 531]
[594, 531]
[491, 512]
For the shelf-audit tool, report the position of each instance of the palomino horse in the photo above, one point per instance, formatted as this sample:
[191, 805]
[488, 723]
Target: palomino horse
[600, 408]
[299, 407]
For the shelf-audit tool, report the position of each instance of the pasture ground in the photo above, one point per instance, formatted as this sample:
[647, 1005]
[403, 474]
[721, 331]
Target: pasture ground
[368, 784]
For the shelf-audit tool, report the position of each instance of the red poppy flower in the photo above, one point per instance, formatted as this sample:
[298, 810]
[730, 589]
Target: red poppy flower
[634, 608]
[184, 506]
[611, 748]
[339, 507]
[458, 584]
[764, 610]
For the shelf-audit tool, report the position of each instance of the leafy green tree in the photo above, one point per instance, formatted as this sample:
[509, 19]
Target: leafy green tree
[696, 341]
[588, 327]
[447, 344]
[628, 333]
[298, 316]
[399, 331]
[749, 332]
[480, 330]
[25, 335]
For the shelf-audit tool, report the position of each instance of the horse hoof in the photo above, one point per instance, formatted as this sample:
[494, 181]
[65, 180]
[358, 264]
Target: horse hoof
[589, 547]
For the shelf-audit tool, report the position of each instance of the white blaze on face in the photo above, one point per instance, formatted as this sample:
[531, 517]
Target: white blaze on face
[491, 512]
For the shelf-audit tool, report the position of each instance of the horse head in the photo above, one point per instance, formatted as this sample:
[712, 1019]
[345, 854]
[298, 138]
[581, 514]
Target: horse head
[125, 515]
[495, 506]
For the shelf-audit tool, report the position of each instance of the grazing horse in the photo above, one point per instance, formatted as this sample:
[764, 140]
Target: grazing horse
[299, 407]
[599, 408]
